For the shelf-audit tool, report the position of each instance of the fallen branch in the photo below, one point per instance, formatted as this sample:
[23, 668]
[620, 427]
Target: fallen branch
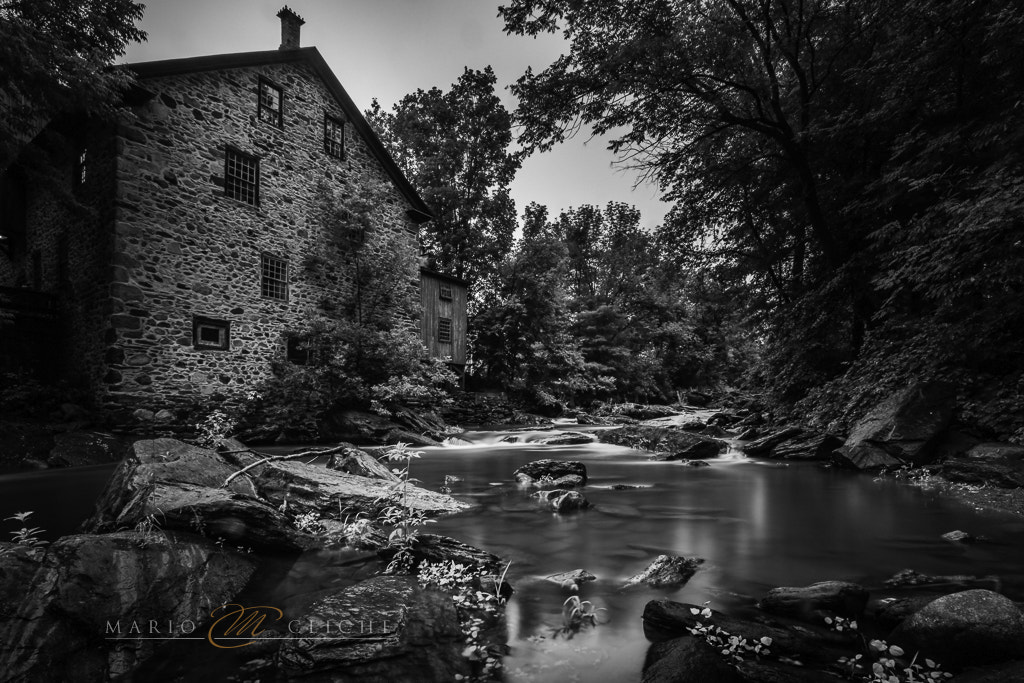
[316, 453]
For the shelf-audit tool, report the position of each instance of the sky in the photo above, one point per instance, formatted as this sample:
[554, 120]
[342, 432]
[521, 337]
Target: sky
[389, 48]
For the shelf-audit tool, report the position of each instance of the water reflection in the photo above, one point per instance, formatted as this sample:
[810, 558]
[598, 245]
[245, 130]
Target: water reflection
[758, 525]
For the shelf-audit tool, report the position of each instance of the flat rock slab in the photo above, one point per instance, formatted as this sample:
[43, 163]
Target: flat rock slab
[971, 627]
[310, 488]
[765, 444]
[809, 602]
[567, 439]
[666, 571]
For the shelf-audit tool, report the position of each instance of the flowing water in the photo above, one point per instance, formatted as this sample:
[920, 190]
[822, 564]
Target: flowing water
[758, 524]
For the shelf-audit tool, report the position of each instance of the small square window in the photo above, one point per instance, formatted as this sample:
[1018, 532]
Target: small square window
[334, 137]
[209, 334]
[297, 349]
[445, 291]
[271, 103]
[444, 330]
[274, 277]
[242, 177]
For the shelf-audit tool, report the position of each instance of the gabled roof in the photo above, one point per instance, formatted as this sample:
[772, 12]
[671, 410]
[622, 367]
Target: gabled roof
[310, 55]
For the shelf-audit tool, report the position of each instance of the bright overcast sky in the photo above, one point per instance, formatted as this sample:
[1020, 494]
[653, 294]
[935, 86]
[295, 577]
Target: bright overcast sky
[388, 48]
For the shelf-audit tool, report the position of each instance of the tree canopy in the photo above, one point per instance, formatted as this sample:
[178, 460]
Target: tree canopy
[818, 153]
[55, 58]
[454, 147]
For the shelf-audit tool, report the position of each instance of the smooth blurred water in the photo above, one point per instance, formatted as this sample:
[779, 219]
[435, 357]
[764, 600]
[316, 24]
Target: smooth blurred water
[758, 525]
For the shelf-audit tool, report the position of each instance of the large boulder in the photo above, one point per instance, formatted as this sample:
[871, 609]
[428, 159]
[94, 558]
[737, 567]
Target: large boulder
[811, 644]
[674, 443]
[687, 660]
[971, 627]
[812, 602]
[764, 445]
[666, 571]
[383, 629]
[90, 589]
[352, 460]
[551, 474]
[903, 429]
[640, 411]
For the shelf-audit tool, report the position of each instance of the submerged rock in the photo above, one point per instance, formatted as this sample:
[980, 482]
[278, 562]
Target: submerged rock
[560, 500]
[902, 429]
[666, 571]
[971, 627]
[695, 463]
[571, 579]
[810, 603]
[552, 474]
[910, 577]
[959, 537]
[567, 439]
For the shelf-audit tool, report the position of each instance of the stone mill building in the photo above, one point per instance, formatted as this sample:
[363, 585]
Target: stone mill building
[194, 260]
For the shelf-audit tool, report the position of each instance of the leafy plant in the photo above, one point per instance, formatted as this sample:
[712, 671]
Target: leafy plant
[881, 661]
[214, 427]
[27, 535]
[576, 615]
[405, 522]
[733, 647]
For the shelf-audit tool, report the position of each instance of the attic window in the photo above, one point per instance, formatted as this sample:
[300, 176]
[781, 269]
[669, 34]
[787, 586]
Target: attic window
[271, 103]
[444, 330]
[273, 277]
[210, 335]
[242, 176]
[334, 137]
[445, 290]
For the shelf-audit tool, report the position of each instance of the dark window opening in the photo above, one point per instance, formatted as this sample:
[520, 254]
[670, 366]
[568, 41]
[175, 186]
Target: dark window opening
[242, 177]
[271, 103]
[273, 277]
[444, 330]
[334, 137]
[209, 334]
[446, 290]
[297, 350]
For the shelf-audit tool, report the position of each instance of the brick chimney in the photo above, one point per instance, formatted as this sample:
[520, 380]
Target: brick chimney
[291, 26]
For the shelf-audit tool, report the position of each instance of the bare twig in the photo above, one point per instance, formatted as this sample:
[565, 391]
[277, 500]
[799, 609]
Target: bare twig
[271, 458]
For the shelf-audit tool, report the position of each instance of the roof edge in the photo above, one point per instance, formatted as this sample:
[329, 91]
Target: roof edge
[312, 56]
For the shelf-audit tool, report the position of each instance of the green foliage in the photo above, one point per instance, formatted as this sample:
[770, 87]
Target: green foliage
[54, 60]
[22, 394]
[578, 614]
[849, 175]
[27, 535]
[405, 522]
[883, 662]
[732, 647]
[363, 349]
[453, 146]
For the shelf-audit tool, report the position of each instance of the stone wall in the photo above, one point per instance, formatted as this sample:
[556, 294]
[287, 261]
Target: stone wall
[182, 248]
[68, 225]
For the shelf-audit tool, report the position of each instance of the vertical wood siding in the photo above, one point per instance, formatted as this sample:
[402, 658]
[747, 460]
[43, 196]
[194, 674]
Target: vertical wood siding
[434, 308]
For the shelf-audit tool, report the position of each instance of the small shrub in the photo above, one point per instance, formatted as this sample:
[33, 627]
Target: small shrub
[27, 535]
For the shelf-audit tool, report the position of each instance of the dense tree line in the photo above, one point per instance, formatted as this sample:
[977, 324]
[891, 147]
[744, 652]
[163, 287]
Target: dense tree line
[850, 169]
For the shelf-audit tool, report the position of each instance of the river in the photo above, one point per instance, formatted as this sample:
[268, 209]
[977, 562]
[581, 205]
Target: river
[758, 524]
